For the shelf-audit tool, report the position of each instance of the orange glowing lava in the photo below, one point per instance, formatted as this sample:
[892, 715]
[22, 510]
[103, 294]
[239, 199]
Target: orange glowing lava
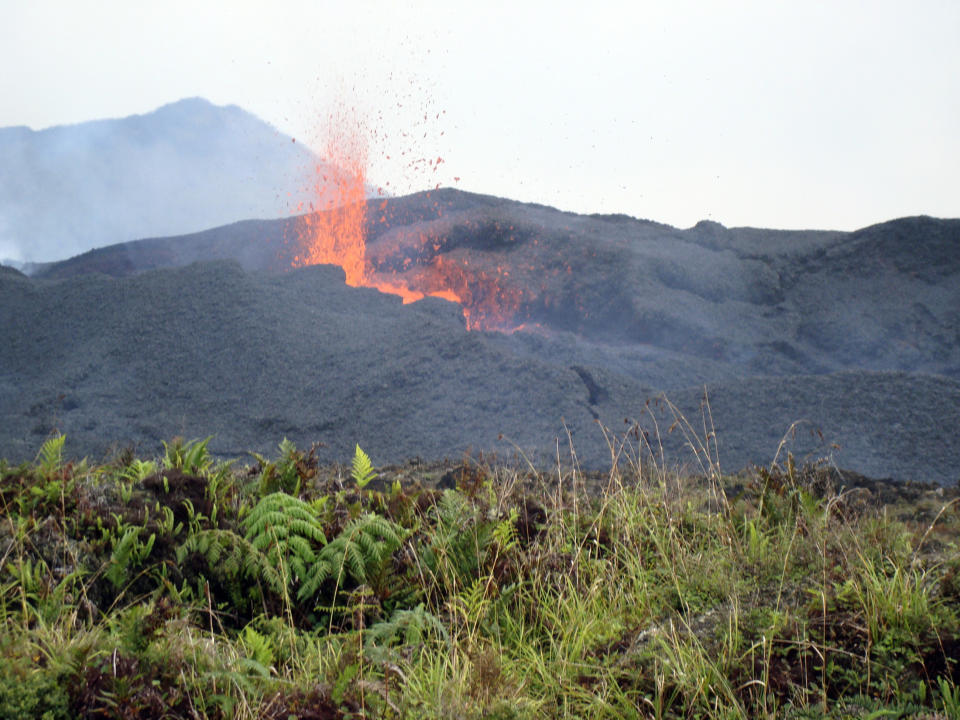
[334, 233]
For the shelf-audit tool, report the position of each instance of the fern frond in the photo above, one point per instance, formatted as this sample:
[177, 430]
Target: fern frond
[231, 557]
[196, 459]
[256, 565]
[287, 473]
[50, 457]
[362, 471]
[357, 554]
[457, 548]
[406, 627]
[267, 529]
[138, 470]
[279, 515]
[258, 646]
[318, 573]
[128, 551]
[287, 530]
[299, 547]
[505, 532]
[355, 560]
[287, 450]
[306, 529]
[191, 457]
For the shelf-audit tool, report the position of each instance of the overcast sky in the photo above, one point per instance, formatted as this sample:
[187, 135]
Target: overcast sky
[820, 114]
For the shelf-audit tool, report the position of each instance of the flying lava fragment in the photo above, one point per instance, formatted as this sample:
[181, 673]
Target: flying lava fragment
[334, 232]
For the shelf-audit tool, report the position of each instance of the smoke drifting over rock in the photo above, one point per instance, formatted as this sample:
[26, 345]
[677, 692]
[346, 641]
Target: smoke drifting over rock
[856, 335]
[187, 166]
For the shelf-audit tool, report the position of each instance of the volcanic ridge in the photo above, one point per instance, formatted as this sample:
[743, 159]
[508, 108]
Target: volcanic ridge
[846, 344]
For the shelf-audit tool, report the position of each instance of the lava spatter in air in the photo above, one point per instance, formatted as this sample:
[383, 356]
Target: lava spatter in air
[334, 232]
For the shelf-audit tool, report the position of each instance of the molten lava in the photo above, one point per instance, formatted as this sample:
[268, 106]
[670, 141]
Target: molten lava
[334, 233]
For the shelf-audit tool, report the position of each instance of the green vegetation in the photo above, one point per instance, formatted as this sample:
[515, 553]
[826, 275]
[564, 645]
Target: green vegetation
[181, 586]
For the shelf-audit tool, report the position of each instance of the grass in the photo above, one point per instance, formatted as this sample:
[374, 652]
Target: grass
[181, 586]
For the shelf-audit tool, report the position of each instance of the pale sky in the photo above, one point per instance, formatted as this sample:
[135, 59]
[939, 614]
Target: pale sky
[812, 114]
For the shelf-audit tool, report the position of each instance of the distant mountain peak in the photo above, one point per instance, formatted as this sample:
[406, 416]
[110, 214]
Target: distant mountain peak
[192, 106]
[183, 167]
[709, 226]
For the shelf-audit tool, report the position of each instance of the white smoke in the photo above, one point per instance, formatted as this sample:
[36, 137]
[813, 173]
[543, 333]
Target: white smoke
[183, 168]
[10, 253]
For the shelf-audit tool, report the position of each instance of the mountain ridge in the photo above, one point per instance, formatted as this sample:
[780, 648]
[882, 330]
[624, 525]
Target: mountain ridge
[213, 332]
[183, 167]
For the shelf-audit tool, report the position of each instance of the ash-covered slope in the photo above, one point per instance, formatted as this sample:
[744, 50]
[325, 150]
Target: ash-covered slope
[715, 303]
[212, 349]
[187, 166]
[253, 358]
[855, 335]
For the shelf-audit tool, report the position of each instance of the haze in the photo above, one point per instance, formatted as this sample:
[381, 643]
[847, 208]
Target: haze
[789, 114]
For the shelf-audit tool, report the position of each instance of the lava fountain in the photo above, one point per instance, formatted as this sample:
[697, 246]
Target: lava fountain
[334, 232]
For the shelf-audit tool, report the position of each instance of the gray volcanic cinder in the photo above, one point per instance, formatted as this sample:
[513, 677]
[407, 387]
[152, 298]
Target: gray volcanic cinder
[854, 335]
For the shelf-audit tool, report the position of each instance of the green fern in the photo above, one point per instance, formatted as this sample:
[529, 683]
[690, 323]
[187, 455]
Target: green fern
[406, 627]
[28, 576]
[359, 553]
[454, 552]
[505, 532]
[190, 457]
[287, 467]
[50, 457]
[281, 534]
[232, 557]
[362, 471]
[138, 470]
[128, 552]
[282, 475]
[259, 648]
[286, 529]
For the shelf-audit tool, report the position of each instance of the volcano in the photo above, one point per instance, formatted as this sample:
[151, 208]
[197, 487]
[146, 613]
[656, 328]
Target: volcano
[555, 324]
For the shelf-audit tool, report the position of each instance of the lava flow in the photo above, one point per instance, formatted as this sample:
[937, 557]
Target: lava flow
[334, 233]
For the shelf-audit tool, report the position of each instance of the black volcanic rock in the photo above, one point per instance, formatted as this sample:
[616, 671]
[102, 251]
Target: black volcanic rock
[187, 166]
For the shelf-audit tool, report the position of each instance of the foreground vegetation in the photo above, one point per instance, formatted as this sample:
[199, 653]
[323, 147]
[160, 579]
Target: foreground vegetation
[187, 587]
